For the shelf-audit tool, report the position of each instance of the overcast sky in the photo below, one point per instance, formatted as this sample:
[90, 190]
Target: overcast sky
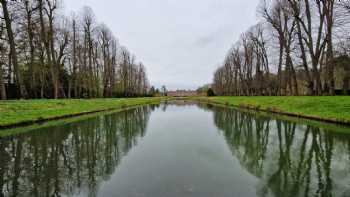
[181, 42]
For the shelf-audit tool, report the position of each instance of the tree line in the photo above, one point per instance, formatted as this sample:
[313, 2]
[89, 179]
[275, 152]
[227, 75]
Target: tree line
[45, 54]
[299, 47]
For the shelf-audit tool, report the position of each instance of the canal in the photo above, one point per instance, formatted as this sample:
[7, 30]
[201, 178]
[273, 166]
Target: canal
[180, 149]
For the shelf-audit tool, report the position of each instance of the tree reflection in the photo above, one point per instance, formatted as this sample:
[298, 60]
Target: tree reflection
[289, 159]
[69, 159]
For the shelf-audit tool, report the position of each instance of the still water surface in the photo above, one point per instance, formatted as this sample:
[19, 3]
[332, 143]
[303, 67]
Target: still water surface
[177, 149]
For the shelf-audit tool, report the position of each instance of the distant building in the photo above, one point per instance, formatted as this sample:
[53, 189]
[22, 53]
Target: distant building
[342, 75]
[182, 93]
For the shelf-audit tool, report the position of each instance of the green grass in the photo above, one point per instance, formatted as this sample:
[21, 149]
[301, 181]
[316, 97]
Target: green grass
[54, 123]
[16, 112]
[327, 108]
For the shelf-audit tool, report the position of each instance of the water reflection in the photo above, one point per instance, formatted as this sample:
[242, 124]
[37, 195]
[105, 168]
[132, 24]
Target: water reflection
[68, 159]
[289, 159]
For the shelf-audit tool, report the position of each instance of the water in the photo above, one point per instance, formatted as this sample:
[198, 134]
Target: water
[180, 149]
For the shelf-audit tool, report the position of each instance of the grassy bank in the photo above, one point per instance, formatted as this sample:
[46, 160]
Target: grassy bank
[23, 112]
[324, 108]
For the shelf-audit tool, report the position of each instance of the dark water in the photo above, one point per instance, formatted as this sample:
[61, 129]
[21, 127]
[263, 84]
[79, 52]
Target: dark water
[177, 150]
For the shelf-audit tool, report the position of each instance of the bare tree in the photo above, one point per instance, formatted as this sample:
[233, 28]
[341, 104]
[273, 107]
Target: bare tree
[13, 52]
[314, 40]
[2, 63]
[279, 17]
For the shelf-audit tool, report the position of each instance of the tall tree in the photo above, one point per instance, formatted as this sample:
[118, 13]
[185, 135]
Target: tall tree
[328, 7]
[282, 22]
[2, 55]
[314, 40]
[13, 52]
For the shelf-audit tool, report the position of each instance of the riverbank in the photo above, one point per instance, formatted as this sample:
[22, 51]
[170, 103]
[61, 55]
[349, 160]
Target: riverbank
[25, 112]
[322, 108]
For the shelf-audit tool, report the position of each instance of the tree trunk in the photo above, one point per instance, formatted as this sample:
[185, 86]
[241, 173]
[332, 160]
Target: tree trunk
[330, 56]
[279, 72]
[55, 63]
[13, 52]
[31, 49]
[43, 34]
[74, 80]
[2, 86]
[309, 81]
[346, 85]
[292, 75]
[46, 38]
